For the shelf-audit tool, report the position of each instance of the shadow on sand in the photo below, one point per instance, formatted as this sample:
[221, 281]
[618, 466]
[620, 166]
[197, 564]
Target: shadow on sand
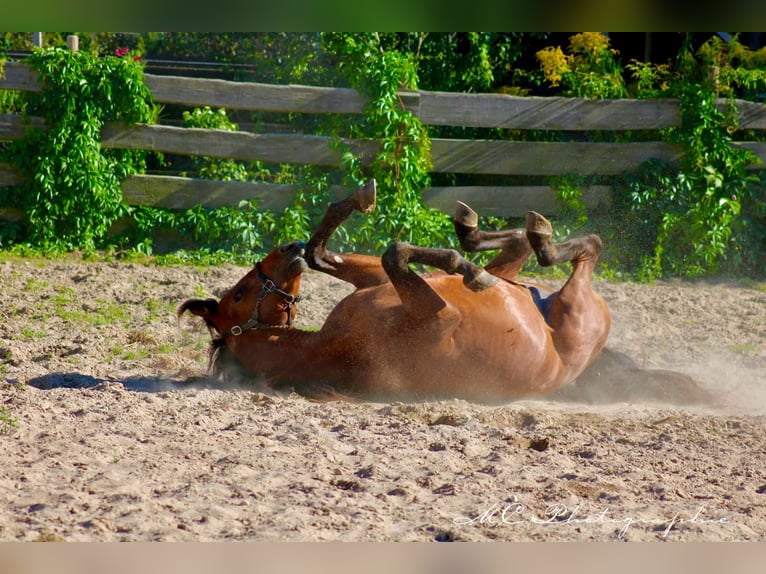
[140, 384]
[613, 378]
[616, 378]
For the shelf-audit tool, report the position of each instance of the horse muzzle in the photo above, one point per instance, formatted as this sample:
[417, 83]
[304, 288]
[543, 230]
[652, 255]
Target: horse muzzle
[298, 265]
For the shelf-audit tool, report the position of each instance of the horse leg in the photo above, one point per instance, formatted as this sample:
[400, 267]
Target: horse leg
[579, 316]
[359, 270]
[513, 243]
[579, 250]
[418, 298]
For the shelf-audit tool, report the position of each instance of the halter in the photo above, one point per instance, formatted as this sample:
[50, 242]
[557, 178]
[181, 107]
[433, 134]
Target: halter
[267, 286]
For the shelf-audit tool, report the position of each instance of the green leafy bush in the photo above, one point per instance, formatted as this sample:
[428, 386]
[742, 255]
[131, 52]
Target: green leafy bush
[72, 192]
[402, 165]
[699, 217]
[589, 70]
[706, 214]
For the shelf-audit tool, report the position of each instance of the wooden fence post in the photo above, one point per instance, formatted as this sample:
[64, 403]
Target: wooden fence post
[73, 43]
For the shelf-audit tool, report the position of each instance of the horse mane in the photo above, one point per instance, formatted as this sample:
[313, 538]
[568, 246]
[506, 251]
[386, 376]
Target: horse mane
[223, 365]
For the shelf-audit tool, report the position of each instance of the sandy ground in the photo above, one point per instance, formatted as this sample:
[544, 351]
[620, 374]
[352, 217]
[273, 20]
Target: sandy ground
[103, 438]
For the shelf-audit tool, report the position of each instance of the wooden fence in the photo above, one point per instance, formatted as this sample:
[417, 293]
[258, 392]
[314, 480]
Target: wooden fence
[458, 156]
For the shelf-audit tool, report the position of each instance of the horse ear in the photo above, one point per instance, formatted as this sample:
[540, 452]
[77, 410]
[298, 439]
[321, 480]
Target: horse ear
[205, 308]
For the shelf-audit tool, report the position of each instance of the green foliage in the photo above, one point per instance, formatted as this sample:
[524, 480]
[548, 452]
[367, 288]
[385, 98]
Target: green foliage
[226, 233]
[651, 80]
[456, 61]
[734, 69]
[704, 196]
[573, 214]
[72, 194]
[694, 211]
[700, 216]
[589, 70]
[706, 214]
[271, 57]
[213, 235]
[402, 165]
[208, 167]
[376, 64]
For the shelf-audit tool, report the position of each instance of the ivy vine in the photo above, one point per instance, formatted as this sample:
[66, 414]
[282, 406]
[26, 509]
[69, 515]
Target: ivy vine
[72, 193]
[402, 166]
[709, 211]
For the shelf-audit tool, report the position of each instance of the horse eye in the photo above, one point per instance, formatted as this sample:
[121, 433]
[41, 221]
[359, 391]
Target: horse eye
[237, 296]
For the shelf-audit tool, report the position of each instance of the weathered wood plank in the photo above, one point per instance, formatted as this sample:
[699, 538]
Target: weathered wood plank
[277, 148]
[12, 126]
[554, 113]
[758, 148]
[503, 201]
[511, 201]
[565, 114]
[434, 108]
[448, 156]
[254, 96]
[184, 193]
[197, 92]
[11, 214]
[9, 175]
[752, 116]
[19, 77]
[545, 158]
[262, 97]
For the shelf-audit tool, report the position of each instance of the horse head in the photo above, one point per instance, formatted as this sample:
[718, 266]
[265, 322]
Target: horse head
[265, 297]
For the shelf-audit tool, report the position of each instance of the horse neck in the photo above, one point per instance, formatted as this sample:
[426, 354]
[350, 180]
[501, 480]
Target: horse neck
[289, 354]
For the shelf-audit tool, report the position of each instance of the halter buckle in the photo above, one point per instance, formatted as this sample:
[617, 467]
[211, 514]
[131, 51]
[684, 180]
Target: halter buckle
[268, 285]
[236, 330]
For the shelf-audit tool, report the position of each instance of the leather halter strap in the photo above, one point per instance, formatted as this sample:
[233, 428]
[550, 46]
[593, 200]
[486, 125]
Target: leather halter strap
[267, 286]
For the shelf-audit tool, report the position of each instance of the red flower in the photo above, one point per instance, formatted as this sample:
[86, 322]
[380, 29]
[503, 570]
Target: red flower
[121, 51]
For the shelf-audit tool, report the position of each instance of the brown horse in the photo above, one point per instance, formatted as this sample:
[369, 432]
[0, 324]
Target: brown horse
[463, 331]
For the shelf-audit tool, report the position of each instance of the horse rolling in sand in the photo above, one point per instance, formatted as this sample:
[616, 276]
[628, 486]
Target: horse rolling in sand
[462, 331]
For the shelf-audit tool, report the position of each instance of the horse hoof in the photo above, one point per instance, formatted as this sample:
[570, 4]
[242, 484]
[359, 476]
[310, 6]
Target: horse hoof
[466, 216]
[481, 281]
[538, 225]
[365, 196]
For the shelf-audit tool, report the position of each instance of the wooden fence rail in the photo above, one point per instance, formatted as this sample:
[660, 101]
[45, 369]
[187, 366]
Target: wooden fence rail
[481, 157]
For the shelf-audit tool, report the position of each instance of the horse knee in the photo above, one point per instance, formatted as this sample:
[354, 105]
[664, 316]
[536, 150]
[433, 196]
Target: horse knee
[594, 245]
[394, 258]
[452, 261]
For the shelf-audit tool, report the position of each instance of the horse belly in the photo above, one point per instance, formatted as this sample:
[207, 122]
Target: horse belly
[501, 349]
[491, 345]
